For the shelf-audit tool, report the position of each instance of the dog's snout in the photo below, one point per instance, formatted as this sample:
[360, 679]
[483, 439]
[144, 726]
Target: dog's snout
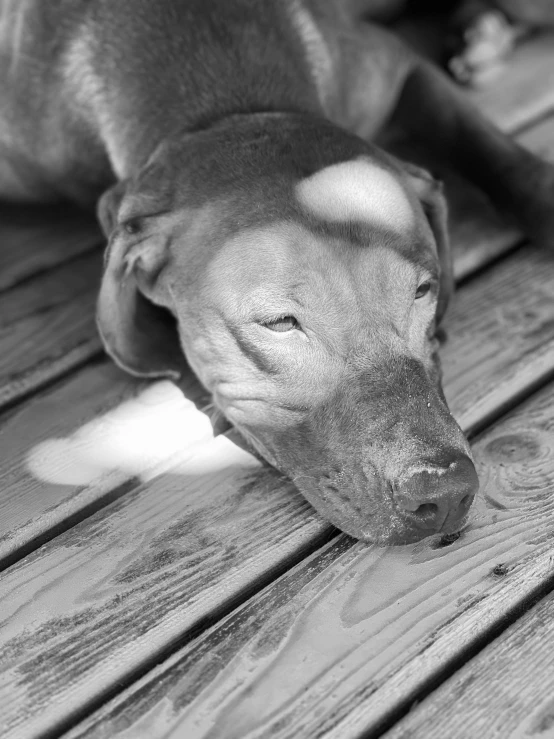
[437, 498]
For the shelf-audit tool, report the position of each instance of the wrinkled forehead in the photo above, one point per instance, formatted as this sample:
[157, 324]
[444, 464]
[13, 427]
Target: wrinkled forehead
[287, 259]
[359, 191]
[350, 215]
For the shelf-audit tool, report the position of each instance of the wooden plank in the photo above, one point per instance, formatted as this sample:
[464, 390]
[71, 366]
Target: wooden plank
[335, 647]
[506, 691]
[36, 238]
[47, 326]
[127, 582]
[499, 327]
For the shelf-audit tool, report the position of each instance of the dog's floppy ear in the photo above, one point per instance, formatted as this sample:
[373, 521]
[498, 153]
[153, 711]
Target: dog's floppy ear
[138, 332]
[430, 193]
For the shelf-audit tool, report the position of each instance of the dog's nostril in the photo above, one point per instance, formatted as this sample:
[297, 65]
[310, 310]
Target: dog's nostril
[426, 511]
[437, 498]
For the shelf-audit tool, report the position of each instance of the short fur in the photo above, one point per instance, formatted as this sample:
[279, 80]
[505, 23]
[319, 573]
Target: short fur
[196, 121]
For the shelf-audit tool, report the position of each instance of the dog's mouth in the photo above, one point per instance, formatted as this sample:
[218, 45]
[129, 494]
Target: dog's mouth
[427, 498]
[378, 519]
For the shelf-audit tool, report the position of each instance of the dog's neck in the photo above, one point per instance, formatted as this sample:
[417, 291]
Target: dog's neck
[243, 159]
[162, 77]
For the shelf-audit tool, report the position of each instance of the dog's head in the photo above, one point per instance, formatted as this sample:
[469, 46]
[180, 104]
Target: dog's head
[302, 273]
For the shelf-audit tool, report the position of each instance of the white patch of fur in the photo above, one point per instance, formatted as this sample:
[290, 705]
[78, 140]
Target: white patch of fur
[317, 52]
[356, 190]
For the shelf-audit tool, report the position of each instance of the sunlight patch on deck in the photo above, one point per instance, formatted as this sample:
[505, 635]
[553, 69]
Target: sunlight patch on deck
[142, 437]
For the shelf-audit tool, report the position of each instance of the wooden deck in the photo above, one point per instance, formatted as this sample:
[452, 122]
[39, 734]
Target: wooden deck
[156, 581]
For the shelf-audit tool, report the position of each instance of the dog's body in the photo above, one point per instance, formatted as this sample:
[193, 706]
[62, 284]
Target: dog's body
[113, 85]
[302, 269]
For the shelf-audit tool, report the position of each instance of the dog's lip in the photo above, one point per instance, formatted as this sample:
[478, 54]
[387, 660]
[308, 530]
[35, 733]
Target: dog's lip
[391, 529]
[385, 528]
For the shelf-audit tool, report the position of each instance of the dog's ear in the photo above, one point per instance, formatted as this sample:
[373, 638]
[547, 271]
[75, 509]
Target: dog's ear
[430, 193]
[108, 207]
[138, 331]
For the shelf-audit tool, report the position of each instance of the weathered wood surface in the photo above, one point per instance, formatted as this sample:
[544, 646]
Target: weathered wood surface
[499, 337]
[124, 584]
[506, 692]
[33, 239]
[47, 326]
[339, 644]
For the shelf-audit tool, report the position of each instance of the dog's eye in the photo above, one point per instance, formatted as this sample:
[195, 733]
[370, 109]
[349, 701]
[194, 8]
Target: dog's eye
[422, 290]
[285, 323]
[132, 226]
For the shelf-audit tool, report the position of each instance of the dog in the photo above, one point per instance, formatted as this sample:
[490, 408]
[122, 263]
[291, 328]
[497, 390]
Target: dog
[257, 235]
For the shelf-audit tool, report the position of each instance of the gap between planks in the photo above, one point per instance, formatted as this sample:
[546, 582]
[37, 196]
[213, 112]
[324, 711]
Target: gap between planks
[47, 327]
[35, 239]
[506, 691]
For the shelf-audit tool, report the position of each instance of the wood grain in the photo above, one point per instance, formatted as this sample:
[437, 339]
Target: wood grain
[499, 338]
[47, 326]
[505, 692]
[124, 584]
[37, 238]
[338, 644]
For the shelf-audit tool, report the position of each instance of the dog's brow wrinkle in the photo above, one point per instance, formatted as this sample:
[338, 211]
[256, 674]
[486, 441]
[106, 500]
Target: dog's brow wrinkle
[357, 190]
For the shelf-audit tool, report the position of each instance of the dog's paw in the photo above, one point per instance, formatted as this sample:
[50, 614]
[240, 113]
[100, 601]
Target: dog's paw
[479, 40]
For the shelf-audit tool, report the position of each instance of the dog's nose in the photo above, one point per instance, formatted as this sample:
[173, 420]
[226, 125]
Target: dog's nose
[437, 498]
